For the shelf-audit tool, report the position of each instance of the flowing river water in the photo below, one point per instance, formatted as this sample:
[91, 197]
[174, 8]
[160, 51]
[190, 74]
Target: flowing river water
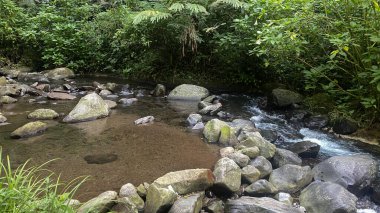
[143, 153]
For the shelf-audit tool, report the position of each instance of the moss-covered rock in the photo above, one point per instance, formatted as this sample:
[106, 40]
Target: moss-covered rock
[7, 99]
[188, 92]
[254, 139]
[291, 178]
[228, 136]
[212, 130]
[59, 73]
[29, 129]
[284, 98]
[227, 176]
[3, 81]
[100, 204]
[159, 199]
[43, 114]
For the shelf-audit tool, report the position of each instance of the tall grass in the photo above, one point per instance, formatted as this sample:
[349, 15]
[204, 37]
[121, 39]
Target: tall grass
[32, 189]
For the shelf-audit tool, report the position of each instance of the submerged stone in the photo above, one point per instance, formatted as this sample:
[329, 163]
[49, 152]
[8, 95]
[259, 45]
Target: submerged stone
[29, 129]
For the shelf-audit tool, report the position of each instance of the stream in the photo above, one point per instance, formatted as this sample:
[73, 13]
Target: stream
[144, 153]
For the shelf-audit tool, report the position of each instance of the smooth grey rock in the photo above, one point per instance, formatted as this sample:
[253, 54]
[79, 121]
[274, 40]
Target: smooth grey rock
[100, 204]
[243, 125]
[203, 104]
[263, 165]
[239, 158]
[253, 139]
[159, 200]
[110, 104]
[194, 119]
[129, 190]
[227, 175]
[188, 204]
[10, 89]
[291, 178]
[89, 107]
[188, 92]
[33, 76]
[105, 92]
[198, 126]
[261, 188]
[43, 114]
[284, 98]
[283, 156]
[144, 120]
[59, 73]
[142, 189]
[186, 181]
[305, 149]
[250, 174]
[211, 109]
[124, 205]
[284, 198]
[258, 205]
[354, 172]
[327, 197]
[29, 129]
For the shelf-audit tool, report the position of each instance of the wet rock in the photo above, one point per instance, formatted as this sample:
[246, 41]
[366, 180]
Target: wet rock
[43, 87]
[270, 135]
[210, 99]
[142, 189]
[3, 119]
[105, 92]
[224, 115]
[159, 90]
[124, 205]
[227, 176]
[14, 72]
[68, 87]
[284, 198]
[59, 73]
[159, 200]
[250, 174]
[283, 156]
[211, 109]
[253, 139]
[212, 130]
[111, 104]
[327, 197]
[111, 86]
[29, 129]
[194, 119]
[33, 76]
[198, 126]
[100, 204]
[345, 126]
[203, 104]
[140, 93]
[11, 90]
[127, 101]
[263, 165]
[100, 158]
[239, 158]
[224, 152]
[291, 178]
[112, 97]
[128, 190]
[144, 120]
[259, 205]
[43, 114]
[228, 136]
[316, 122]
[251, 152]
[243, 125]
[355, 172]
[3, 81]
[89, 107]
[98, 85]
[215, 206]
[188, 92]
[188, 204]
[305, 149]
[7, 99]
[60, 96]
[261, 188]
[186, 181]
[284, 98]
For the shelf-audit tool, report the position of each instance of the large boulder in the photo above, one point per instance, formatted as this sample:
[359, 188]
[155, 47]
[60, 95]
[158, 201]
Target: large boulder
[253, 139]
[284, 98]
[33, 77]
[29, 129]
[327, 197]
[90, 107]
[354, 172]
[258, 205]
[159, 200]
[305, 149]
[188, 204]
[284, 156]
[100, 204]
[263, 165]
[227, 176]
[59, 73]
[188, 92]
[186, 181]
[291, 178]
[251, 152]
[212, 130]
[212, 109]
[345, 126]
[43, 114]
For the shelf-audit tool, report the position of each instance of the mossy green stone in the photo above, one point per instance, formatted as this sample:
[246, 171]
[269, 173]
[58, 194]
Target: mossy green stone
[29, 129]
[43, 114]
[212, 130]
[3, 81]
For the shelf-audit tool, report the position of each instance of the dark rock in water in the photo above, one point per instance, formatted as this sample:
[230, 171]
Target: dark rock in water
[305, 149]
[268, 134]
[224, 115]
[33, 77]
[284, 156]
[316, 122]
[100, 158]
[355, 172]
[345, 126]
[263, 165]
[375, 195]
[284, 98]
[160, 90]
[326, 197]
[262, 205]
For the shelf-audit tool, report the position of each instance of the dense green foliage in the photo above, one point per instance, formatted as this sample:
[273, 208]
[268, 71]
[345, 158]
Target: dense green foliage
[314, 46]
[31, 189]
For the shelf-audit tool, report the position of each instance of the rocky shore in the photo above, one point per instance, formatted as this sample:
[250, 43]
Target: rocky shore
[252, 174]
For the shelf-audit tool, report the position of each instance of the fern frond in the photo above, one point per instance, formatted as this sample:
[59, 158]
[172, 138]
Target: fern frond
[177, 7]
[196, 8]
[152, 15]
[233, 3]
